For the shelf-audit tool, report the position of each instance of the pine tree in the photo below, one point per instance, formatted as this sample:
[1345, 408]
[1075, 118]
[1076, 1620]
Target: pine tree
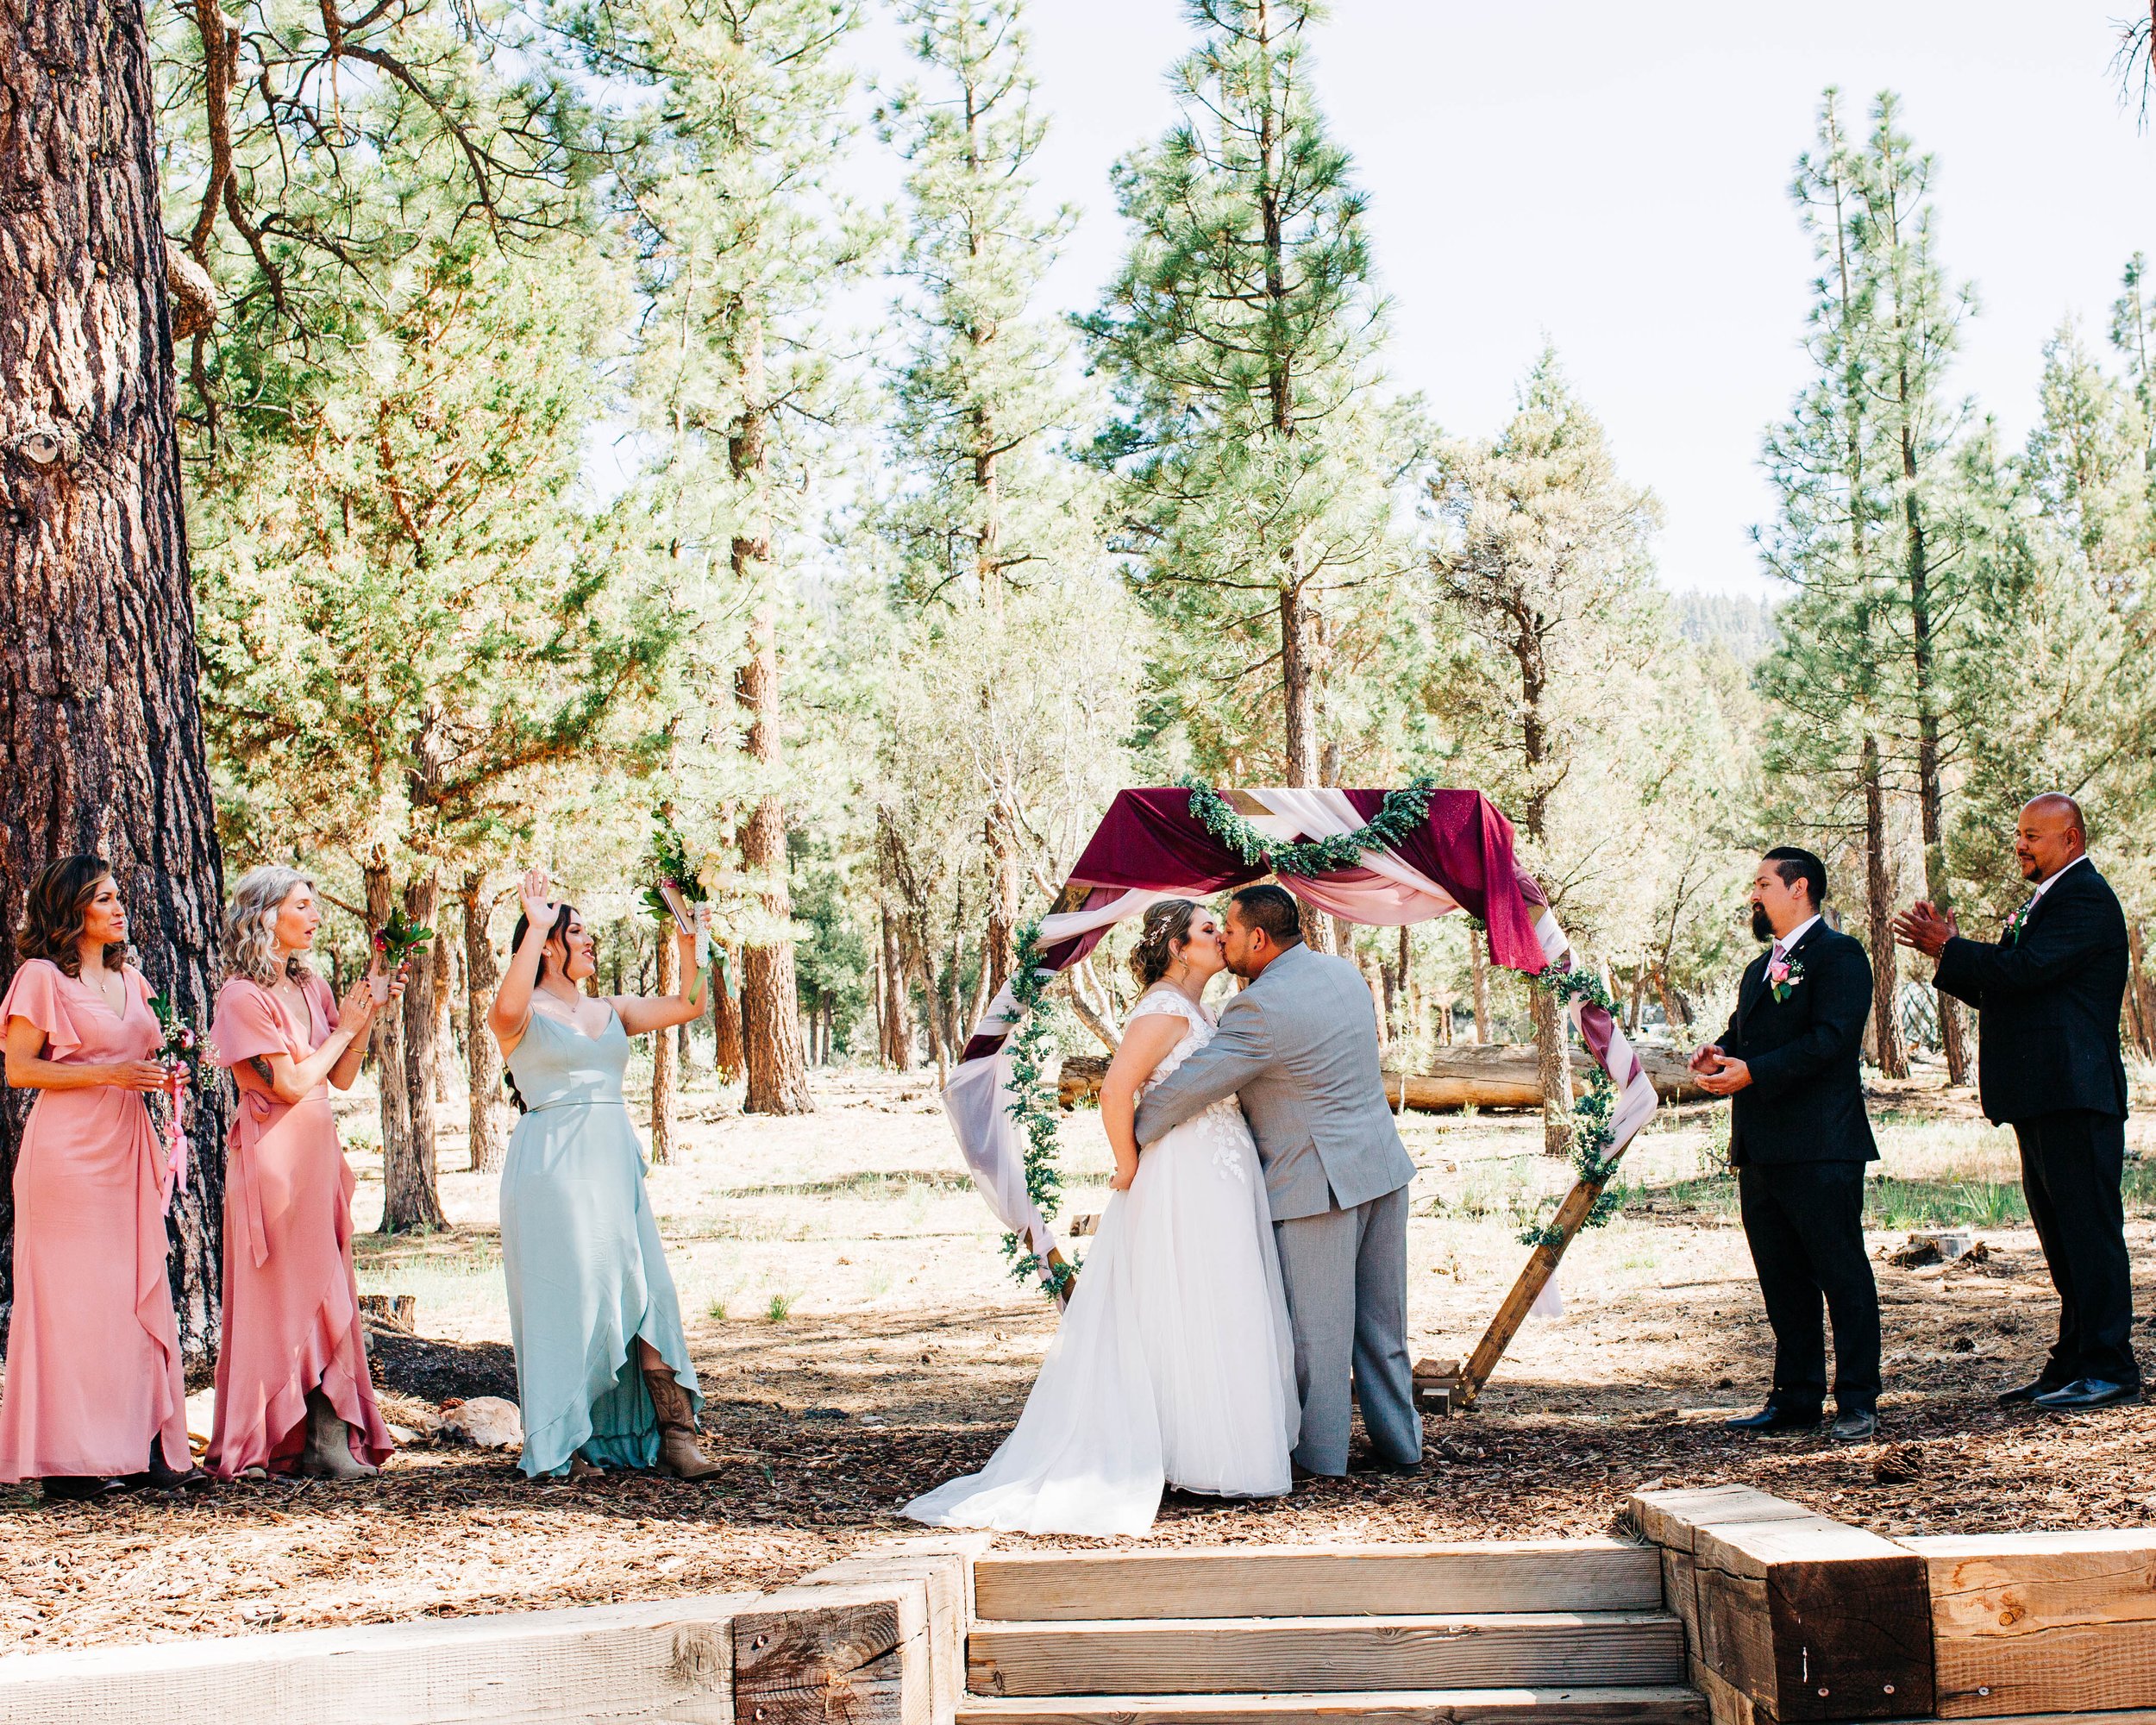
[745, 117]
[1545, 556]
[1937, 610]
[989, 507]
[404, 620]
[1256, 455]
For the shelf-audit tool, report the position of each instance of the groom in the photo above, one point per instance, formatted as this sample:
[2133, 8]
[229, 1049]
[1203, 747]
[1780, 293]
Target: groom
[1297, 1048]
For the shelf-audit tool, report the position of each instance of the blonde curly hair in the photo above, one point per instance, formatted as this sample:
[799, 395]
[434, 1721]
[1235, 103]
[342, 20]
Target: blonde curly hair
[250, 926]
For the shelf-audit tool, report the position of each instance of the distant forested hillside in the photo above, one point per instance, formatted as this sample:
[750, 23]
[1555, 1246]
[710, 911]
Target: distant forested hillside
[1743, 627]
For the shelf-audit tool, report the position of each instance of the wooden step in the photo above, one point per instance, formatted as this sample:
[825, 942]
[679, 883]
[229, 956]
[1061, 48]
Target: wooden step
[1662, 1705]
[1266, 1655]
[1320, 1581]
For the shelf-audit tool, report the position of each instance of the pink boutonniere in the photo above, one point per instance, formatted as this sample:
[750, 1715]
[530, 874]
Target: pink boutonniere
[1783, 977]
[2012, 935]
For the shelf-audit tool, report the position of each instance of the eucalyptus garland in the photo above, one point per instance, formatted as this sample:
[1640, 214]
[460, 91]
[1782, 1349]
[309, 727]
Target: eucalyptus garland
[1402, 812]
[1593, 1116]
[1034, 1113]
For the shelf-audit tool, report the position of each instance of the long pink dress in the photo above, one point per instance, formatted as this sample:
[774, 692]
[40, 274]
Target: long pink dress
[291, 1309]
[93, 1349]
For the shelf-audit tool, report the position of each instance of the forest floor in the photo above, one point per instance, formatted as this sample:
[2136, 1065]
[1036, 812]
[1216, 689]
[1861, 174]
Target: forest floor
[859, 1341]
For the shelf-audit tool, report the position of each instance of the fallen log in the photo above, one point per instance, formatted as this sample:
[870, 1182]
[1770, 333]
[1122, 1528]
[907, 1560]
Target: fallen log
[1497, 1075]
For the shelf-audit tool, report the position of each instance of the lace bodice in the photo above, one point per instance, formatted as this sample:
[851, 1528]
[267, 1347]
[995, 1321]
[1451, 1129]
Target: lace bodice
[1164, 1001]
[1219, 1129]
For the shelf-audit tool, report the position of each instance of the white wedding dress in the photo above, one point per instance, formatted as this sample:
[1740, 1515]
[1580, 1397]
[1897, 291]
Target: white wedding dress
[1173, 1364]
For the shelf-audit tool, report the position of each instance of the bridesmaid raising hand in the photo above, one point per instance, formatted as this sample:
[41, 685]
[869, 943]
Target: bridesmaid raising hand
[603, 1368]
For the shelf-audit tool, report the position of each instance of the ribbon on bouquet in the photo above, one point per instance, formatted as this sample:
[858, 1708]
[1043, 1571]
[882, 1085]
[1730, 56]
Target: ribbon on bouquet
[175, 1176]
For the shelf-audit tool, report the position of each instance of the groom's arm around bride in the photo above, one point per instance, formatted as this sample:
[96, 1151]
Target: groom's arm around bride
[1297, 1048]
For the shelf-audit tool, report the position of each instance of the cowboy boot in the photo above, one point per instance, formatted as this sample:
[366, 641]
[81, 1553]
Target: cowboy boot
[678, 1451]
[329, 1452]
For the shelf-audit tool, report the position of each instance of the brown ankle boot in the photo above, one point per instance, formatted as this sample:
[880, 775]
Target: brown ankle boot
[678, 1451]
[329, 1452]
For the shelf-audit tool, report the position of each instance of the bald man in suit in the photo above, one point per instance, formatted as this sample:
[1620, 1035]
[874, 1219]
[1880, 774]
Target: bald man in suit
[2048, 993]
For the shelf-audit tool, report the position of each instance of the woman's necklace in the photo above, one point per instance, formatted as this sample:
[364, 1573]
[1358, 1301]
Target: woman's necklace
[108, 983]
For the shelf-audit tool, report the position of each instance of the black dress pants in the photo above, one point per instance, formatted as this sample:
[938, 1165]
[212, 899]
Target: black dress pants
[2071, 1165]
[1804, 1222]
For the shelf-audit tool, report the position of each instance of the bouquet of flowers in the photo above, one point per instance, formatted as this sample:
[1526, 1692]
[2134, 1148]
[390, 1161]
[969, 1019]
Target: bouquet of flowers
[397, 940]
[180, 1055]
[676, 885]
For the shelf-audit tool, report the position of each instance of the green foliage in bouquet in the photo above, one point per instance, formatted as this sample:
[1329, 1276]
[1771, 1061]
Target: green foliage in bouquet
[398, 938]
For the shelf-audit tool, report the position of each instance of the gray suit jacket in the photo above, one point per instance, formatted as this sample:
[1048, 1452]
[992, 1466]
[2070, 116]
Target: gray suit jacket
[1297, 1048]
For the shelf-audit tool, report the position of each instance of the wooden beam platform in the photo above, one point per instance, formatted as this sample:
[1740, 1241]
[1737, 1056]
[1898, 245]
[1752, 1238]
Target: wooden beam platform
[1669, 1704]
[1320, 1581]
[1239, 1655]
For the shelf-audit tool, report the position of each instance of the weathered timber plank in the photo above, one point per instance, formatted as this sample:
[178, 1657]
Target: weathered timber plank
[2022, 1584]
[1850, 1638]
[1671, 1517]
[1257, 1655]
[1726, 1705]
[1736, 1626]
[1680, 1595]
[1758, 1548]
[943, 1564]
[1319, 1581]
[2042, 1623]
[1662, 1705]
[668, 1660]
[1463, 1075]
[845, 1654]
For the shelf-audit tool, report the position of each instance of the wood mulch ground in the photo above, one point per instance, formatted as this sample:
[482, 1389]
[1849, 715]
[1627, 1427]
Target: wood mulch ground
[827, 1421]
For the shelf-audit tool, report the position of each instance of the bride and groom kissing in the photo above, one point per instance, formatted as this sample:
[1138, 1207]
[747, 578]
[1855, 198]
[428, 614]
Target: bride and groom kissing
[1249, 1278]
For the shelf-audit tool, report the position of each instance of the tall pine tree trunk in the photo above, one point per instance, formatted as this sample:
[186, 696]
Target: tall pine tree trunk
[388, 1049]
[1297, 687]
[662, 1059]
[1930, 793]
[482, 976]
[1000, 950]
[726, 1056]
[98, 713]
[770, 1012]
[1878, 882]
[1478, 973]
[897, 1015]
[410, 1189]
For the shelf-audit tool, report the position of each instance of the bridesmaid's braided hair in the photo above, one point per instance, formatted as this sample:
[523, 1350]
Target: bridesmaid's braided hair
[1165, 923]
[559, 931]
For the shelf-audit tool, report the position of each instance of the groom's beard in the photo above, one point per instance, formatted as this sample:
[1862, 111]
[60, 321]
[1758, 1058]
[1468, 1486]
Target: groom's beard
[1761, 928]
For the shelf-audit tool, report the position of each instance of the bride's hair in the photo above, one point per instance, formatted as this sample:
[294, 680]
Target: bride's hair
[1165, 923]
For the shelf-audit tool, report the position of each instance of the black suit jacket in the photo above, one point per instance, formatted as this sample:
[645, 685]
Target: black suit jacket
[1805, 1102]
[2047, 1006]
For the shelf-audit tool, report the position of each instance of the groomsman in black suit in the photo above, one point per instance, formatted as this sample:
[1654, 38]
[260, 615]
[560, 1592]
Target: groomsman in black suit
[1799, 1140]
[2047, 996]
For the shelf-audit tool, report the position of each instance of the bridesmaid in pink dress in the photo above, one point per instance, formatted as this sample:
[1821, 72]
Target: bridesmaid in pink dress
[293, 1392]
[94, 1398]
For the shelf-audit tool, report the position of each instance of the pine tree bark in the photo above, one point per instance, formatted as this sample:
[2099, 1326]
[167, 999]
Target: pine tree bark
[898, 1004]
[1478, 974]
[403, 1063]
[482, 976]
[770, 1008]
[99, 710]
[662, 1059]
[442, 951]
[1886, 1030]
[2141, 997]
[726, 1016]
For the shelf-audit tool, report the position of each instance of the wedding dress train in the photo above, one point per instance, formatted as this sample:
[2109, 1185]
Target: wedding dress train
[1173, 1364]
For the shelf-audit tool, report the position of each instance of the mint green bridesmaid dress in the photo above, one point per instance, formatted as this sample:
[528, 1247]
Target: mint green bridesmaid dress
[581, 1246]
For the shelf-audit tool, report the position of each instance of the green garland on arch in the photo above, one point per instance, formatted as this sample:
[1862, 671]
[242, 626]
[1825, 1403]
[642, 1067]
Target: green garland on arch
[1593, 1116]
[1034, 1114]
[1403, 811]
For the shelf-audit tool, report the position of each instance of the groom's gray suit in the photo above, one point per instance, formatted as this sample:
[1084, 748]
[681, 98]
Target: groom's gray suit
[1298, 1047]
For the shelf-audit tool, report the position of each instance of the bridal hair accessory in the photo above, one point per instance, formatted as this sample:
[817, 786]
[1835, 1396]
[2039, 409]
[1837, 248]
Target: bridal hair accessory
[1165, 923]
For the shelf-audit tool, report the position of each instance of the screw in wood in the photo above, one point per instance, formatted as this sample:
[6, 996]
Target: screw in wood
[1822, 1692]
[1888, 1687]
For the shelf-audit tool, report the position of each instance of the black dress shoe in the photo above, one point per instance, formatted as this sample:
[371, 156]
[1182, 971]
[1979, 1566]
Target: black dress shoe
[1772, 1418]
[1854, 1426]
[2030, 1391]
[79, 1488]
[2087, 1392]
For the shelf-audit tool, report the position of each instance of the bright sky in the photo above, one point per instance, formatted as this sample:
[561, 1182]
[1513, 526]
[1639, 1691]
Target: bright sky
[1615, 176]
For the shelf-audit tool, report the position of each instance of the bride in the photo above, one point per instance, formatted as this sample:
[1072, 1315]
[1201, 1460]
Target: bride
[1175, 1364]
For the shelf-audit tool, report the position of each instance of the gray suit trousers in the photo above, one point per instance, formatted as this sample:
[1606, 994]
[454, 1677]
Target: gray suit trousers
[1346, 1274]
